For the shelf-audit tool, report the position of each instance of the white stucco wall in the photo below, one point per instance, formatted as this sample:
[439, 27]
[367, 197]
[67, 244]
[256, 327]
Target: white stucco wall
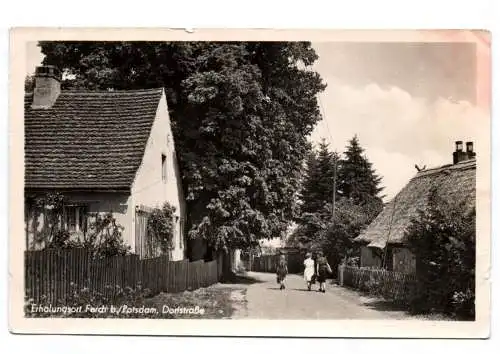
[98, 202]
[148, 188]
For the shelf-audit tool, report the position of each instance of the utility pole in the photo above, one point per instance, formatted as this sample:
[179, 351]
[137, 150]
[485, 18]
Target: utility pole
[334, 186]
[334, 196]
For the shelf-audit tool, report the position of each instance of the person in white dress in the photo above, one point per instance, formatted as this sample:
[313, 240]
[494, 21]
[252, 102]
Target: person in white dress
[308, 270]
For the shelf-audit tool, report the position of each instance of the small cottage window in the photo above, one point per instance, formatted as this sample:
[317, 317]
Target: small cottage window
[163, 167]
[75, 218]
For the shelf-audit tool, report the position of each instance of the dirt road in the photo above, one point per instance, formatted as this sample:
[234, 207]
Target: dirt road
[264, 300]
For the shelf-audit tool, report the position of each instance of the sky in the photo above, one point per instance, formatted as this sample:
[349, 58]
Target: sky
[407, 101]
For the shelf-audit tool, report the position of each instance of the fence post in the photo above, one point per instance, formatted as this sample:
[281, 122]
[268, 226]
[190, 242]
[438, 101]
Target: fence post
[341, 274]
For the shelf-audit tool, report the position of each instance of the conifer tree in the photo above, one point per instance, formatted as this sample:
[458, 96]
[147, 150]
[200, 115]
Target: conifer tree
[357, 204]
[316, 196]
[358, 181]
[318, 184]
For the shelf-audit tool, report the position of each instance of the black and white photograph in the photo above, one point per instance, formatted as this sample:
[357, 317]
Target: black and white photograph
[342, 177]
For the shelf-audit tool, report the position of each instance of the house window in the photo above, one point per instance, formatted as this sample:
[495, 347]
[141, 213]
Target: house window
[75, 218]
[163, 167]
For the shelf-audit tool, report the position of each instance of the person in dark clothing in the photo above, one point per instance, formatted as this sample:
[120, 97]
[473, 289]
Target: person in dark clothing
[281, 271]
[323, 270]
[315, 276]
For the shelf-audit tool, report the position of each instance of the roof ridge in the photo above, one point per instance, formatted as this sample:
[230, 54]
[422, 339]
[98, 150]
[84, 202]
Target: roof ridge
[458, 166]
[110, 92]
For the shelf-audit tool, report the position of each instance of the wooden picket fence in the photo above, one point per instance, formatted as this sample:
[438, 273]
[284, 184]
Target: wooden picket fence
[266, 264]
[393, 286]
[52, 275]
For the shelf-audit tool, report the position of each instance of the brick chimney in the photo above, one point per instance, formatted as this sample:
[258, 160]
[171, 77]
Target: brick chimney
[470, 150]
[460, 155]
[47, 86]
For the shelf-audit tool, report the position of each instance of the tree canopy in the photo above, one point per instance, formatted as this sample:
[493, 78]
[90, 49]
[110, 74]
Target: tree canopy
[241, 116]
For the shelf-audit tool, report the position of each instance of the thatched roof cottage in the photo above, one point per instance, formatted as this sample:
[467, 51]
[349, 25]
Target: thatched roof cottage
[385, 236]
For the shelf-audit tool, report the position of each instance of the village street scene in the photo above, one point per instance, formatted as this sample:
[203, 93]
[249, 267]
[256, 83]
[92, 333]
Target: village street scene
[252, 180]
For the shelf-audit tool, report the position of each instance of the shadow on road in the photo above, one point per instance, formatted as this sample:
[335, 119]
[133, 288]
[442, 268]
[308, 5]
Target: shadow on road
[294, 289]
[242, 279]
[384, 305]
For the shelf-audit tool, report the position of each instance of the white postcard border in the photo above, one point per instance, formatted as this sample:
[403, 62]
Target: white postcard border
[267, 328]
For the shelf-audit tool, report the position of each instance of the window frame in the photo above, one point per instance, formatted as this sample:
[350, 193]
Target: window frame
[163, 167]
[79, 213]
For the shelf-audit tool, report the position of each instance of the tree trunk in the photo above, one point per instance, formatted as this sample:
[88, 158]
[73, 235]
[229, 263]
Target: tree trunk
[227, 271]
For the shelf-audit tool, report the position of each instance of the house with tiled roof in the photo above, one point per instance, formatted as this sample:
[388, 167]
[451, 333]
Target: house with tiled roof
[385, 237]
[110, 151]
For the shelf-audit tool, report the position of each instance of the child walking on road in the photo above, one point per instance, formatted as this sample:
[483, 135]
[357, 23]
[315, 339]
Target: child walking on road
[281, 271]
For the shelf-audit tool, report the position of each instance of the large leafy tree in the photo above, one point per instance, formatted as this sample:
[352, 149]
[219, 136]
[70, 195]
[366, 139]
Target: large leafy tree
[241, 115]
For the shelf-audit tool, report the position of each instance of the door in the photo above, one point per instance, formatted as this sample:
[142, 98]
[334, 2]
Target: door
[141, 230]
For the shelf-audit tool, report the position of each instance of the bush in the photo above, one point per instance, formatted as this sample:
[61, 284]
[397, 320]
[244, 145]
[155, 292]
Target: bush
[464, 304]
[443, 241]
[161, 227]
[103, 238]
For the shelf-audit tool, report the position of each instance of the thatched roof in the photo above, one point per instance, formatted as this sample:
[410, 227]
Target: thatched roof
[454, 182]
